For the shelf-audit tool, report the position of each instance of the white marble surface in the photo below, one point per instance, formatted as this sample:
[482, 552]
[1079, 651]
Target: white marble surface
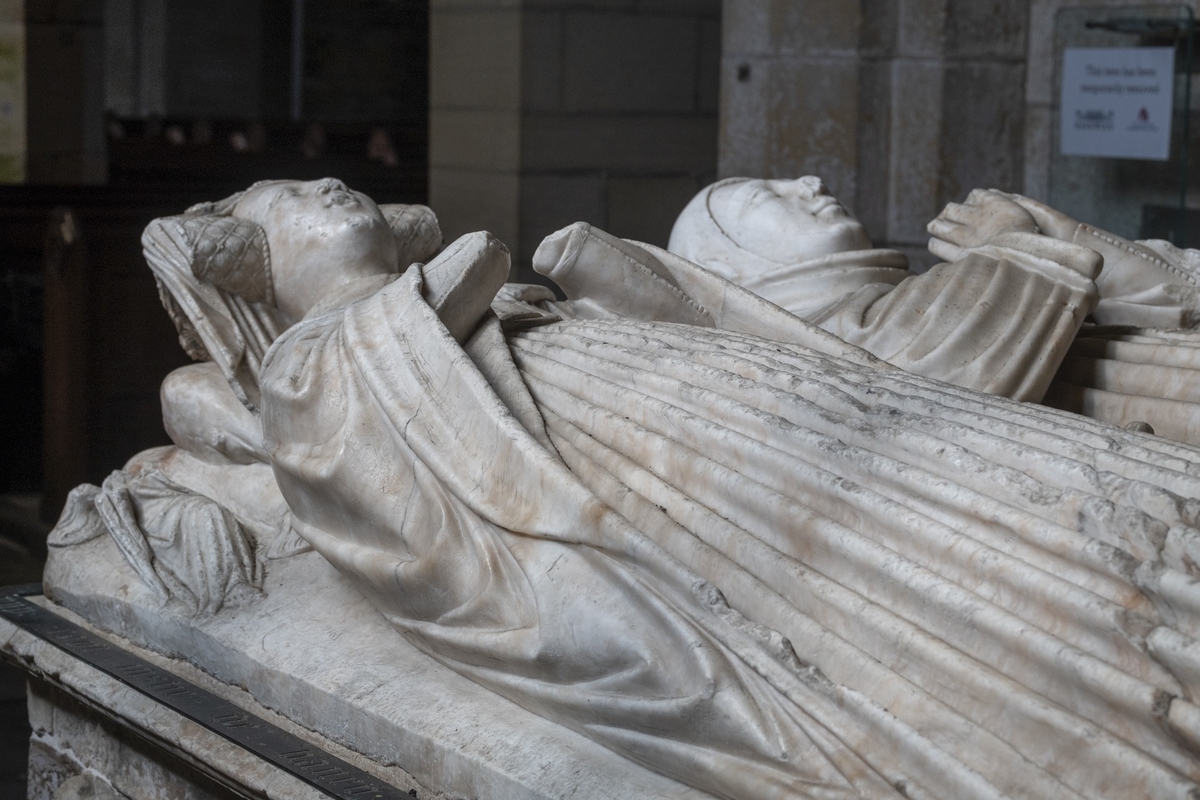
[1134, 375]
[997, 317]
[666, 514]
[1146, 284]
[1138, 366]
[83, 745]
[314, 652]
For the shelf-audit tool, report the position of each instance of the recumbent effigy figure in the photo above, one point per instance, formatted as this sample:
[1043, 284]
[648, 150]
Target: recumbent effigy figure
[990, 317]
[670, 515]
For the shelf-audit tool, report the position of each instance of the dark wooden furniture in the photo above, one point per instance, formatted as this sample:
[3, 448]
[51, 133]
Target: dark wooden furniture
[107, 343]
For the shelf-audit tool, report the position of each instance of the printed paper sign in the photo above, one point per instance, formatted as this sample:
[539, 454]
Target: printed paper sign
[1116, 102]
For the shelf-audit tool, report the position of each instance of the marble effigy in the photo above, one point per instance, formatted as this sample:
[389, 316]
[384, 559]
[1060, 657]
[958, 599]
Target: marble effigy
[1133, 376]
[998, 316]
[665, 514]
[993, 316]
[313, 651]
[1136, 367]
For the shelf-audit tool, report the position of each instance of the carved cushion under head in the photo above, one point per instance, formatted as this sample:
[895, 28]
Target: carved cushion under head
[418, 235]
[214, 279]
[229, 253]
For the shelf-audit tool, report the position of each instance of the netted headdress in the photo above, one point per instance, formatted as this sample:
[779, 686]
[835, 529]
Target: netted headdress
[215, 280]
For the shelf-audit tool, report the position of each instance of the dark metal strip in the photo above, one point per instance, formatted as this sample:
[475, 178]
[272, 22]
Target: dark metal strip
[311, 764]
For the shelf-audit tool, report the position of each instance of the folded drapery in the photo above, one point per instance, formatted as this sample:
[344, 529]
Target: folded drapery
[406, 471]
[930, 591]
[1129, 376]
[997, 319]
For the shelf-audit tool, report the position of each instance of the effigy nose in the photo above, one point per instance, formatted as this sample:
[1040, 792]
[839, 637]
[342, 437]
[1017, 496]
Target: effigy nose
[327, 185]
[813, 185]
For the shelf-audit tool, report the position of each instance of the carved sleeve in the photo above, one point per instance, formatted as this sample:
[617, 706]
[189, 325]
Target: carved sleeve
[1150, 284]
[998, 320]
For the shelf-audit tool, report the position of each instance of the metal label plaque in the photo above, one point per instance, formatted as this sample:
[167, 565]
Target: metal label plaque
[324, 771]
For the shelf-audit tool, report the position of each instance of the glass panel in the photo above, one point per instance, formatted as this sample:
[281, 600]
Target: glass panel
[1134, 198]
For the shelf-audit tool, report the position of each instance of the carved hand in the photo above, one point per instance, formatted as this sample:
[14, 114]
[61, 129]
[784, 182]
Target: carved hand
[461, 282]
[1051, 221]
[985, 213]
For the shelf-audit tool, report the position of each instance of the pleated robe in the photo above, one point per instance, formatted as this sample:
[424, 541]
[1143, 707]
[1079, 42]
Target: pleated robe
[766, 568]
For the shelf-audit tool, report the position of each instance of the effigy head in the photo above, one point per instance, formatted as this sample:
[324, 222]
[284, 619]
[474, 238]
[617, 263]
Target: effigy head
[288, 243]
[319, 234]
[778, 221]
[235, 273]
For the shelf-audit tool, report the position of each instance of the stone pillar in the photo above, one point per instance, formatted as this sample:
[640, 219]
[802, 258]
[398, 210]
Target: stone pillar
[900, 105]
[65, 91]
[544, 112]
[475, 115]
[1039, 97]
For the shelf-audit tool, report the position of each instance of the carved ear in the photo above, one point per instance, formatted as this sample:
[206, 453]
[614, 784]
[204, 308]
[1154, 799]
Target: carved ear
[230, 253]
[418, 236]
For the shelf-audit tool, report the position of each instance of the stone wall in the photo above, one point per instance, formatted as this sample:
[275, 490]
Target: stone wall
[475, 115]
[900, 105]
[544, 112]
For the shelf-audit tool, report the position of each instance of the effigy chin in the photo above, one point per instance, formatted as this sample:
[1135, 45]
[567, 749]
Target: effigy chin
[763, 515]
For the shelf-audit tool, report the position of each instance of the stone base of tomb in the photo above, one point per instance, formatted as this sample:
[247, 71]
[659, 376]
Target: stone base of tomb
[311, 656]
[82, 749]
[93, 736]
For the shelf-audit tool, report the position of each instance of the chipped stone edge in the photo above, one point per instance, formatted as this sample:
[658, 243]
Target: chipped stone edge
[209, 753]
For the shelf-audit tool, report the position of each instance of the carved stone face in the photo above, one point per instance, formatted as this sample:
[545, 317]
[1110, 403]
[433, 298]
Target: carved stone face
[321, 236]
[786, 221]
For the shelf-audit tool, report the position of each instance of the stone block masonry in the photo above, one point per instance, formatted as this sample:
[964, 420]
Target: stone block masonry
[899, 105]
[547, 112]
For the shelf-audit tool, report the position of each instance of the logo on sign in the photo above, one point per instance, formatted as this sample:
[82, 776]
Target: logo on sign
[1143, 123]
[1093, 119]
